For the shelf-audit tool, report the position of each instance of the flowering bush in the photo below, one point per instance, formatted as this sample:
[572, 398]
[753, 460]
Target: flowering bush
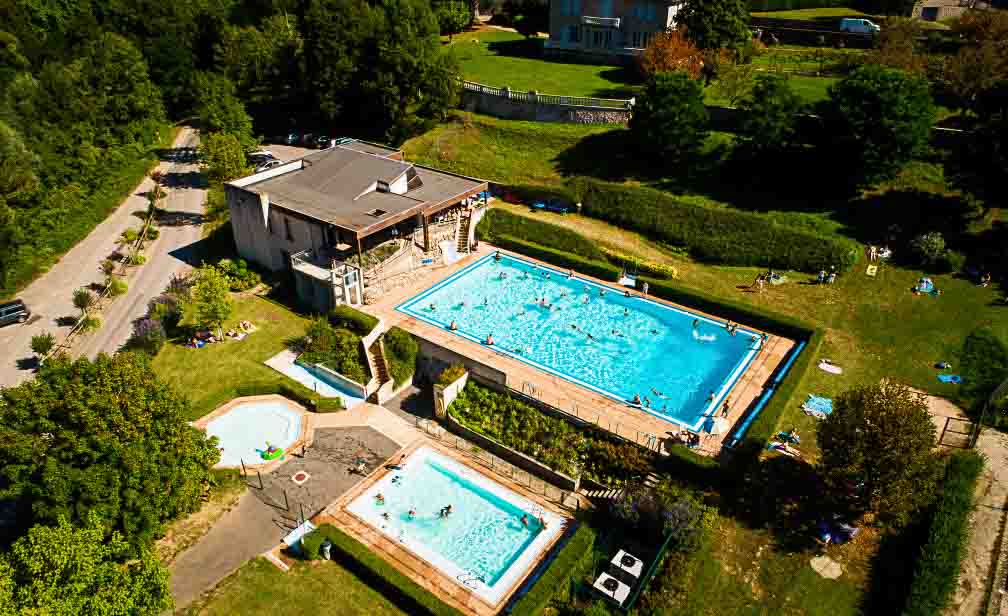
[642, 265]
[148, 336]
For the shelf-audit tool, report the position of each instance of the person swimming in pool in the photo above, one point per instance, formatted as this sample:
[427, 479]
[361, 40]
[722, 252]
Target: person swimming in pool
[453, 326]
[585, 300]
[433, 307]
[497, 256]
[489, 340]
[503, 276]
[626, 293]
[385, 515]
[563, 293]
[601, 292]
[636, 399]
[485, 301]
[379, 498]
[647, 402]
[524, 520]
[657, 393]
[654, 332]
[570, 274]
[626, 312]
[696, 324]
[412, 513]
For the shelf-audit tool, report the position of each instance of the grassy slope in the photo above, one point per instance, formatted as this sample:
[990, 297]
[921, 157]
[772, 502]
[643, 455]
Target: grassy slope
[208, 375]
[307, 589]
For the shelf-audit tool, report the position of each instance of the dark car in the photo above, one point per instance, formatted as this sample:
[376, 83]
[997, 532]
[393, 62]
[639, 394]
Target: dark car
[14, 312]
[323, 141]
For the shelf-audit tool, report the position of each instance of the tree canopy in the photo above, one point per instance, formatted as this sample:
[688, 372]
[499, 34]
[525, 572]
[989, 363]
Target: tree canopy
[210, 299]
[670, 119]
[876, 120]
[715, 24]
[107, 437]
[877, 451]
[770, 117]
[64, 570]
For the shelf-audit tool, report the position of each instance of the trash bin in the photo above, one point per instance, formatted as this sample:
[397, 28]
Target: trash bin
[326, 547]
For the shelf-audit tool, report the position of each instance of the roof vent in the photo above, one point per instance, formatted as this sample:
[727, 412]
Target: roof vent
[377, 213]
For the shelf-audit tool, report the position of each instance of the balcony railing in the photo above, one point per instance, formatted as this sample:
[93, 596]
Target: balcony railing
[607, 22]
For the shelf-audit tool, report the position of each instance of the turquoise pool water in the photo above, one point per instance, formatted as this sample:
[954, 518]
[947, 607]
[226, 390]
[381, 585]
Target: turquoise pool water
[593, 335]
[482, 544]
[245, 429]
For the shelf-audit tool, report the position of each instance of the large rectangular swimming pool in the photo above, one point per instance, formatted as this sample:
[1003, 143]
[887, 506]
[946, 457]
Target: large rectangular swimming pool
[681, 364]
[482, 544]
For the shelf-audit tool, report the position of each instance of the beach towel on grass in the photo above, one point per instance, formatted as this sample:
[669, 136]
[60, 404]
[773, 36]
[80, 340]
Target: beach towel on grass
[826, 366]
[950, 378]
[817, 406]
[871, 271]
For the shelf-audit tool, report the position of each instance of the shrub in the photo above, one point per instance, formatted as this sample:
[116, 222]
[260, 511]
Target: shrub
[720, 235]
[669, 119]
[116, 286]
[937, 570]
[556, 578]
[165, 308]
[929, 247]
[640, 265]
[356, 321]
[294, 391]
[498, 222]
[90, 323]
[336, 348]
[136, 259]
[328, 405]
[107, 267]
[401, 350]
[240, 277]
[770, 117]
[451, 374]
[42, 343]
[148, 336]
[983, 364]
[152, 233]
[375, 571]
[129, 236]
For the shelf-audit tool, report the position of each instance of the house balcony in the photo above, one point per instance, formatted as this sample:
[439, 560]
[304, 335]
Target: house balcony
[605, 22]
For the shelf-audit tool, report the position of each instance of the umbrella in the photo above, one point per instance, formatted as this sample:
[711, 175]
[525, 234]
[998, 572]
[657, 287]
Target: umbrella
[716, 425]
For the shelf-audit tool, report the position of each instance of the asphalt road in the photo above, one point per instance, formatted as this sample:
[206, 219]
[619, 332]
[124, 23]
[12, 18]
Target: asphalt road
[50, 296]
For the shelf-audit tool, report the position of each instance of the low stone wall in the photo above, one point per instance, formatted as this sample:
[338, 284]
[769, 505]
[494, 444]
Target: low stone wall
[508, 109]
[520, 460]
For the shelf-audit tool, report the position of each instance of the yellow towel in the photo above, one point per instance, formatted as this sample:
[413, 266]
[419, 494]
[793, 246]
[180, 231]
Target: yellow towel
[872, 270]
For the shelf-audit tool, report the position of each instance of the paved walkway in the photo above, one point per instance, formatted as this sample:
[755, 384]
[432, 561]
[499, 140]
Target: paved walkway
[50, 295]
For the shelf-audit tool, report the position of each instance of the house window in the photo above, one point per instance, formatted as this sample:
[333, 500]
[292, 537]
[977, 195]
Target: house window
[287, 230]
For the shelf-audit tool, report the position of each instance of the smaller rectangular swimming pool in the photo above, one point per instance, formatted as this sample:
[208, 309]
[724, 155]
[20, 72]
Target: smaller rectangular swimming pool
[491, 539]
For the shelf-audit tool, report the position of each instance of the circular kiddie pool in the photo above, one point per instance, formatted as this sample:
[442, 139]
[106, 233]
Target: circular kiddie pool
[247, 429]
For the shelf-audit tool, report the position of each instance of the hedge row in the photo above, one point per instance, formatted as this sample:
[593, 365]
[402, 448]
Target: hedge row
[558, 258]
[719, 235]
[498, 222]
[349, 318]
[376, 572]
[401, 350]
[298, 393]
[763, 6]
[554, 580]
[937, 570]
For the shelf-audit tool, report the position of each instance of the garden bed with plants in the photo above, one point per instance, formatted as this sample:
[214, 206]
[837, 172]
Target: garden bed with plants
[553, 441]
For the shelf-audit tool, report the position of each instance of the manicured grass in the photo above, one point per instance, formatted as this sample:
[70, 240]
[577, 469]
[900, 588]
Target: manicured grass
[809, 89]
[499, 59]
[209, 375]
[834, 12]
[307, 589]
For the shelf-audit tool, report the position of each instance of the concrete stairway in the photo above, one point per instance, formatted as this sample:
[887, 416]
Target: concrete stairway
[380, 364]
[462, 244]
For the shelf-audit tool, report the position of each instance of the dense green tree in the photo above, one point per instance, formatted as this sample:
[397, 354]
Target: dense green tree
[454, 16]
[224, 157]
[108, 437]
[715, 24]
[18, 178]
[877, 451]
[876, 120]
[210, 299]
[219, 109]
[669, 119]
[770, 117]
[83, 299]
[67, 571]
[378, 68]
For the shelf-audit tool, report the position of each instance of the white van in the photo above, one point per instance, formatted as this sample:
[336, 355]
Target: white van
[859, 26]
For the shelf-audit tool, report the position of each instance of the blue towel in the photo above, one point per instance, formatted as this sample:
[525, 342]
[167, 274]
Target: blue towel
[950, 378]
[818, 404]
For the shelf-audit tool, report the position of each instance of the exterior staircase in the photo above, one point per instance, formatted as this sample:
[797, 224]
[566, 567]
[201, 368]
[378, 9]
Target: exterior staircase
[381, 365]
[462, 244]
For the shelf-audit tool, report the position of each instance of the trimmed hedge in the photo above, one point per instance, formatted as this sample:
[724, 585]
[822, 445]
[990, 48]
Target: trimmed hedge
[937, 570]
[555, 579]
[356, 321]
[376, 572]
[498, 222]
[401, 350]
[297, 392]
[764, 6]
[727, 236]
[558, 258]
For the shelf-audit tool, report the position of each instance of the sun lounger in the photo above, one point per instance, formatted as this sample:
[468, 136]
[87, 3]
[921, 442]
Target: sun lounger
[955, 379]
[817, 406]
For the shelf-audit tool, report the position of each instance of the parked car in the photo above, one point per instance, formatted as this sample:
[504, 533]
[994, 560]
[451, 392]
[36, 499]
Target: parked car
[14, 312]
[260, 157]
[323, 141]
[292, 138]
[859, 26]
[266, 166]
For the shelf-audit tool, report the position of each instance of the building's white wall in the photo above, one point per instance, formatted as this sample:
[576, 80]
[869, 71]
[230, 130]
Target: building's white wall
[253, 238]
[399, 186]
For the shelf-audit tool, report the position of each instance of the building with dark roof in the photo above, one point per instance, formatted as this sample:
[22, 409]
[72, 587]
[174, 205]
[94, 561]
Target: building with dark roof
[315, 213]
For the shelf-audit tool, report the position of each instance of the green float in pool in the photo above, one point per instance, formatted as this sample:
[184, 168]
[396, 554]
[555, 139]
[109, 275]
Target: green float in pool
[271, 452]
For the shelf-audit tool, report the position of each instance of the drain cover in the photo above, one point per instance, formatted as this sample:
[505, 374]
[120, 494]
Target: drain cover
[300, 477]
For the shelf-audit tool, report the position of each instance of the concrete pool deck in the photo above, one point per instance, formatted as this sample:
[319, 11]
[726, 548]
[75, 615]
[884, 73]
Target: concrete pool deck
[426, 575]
[619, 418]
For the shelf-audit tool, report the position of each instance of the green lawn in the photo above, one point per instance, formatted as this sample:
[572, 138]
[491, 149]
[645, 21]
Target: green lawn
[324, 587]
[499, 59]
[819, 14]
[209, 375]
